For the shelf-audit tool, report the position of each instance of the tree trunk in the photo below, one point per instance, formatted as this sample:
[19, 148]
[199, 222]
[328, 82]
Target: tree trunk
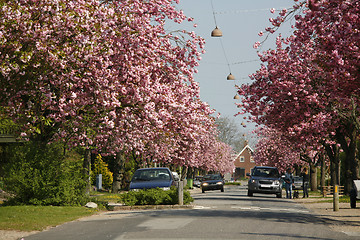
[87, 170]
[313, 177]
[323, 171]
[348, 144]
[333, 154]
[118, 172]
[184, 171]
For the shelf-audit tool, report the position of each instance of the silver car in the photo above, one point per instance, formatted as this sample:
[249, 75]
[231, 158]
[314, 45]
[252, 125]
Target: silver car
[197, 181]
[298, 183]
[265, 180]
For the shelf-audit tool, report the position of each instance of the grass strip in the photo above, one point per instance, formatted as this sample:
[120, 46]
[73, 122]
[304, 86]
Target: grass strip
[37, 218]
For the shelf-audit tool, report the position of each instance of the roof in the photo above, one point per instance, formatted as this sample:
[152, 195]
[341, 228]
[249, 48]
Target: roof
[246, 147]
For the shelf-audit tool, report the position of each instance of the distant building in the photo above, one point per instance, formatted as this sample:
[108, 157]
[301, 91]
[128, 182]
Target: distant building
[244, 162]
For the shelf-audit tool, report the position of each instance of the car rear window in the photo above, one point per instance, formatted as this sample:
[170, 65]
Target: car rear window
[212, 177]
[151, 175]
[266, 172]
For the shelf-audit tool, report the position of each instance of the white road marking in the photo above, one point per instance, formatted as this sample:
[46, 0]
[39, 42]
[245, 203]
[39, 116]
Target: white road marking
[271, 209]
[201, 207]
[166, 223]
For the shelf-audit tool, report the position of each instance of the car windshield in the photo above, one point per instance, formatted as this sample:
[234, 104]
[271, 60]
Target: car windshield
[266, 172]
[151, 175]
[212, 177]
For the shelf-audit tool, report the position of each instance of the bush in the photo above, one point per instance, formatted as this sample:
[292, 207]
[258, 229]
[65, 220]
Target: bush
[40, 174]
[101, 167]
[154, 196]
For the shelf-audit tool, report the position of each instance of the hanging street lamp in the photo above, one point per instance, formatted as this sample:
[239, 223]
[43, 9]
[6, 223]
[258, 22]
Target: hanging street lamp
[230, 77]
[216, 32]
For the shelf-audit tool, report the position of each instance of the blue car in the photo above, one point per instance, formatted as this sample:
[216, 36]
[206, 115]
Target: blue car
[146, 178]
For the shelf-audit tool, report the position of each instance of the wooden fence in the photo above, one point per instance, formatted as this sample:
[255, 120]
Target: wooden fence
[329, 190]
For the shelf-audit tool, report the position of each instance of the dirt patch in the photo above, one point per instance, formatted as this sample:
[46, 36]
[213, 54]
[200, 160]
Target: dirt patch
[14, 235]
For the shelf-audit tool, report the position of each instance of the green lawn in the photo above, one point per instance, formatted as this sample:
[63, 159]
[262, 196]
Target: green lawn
[37, 218]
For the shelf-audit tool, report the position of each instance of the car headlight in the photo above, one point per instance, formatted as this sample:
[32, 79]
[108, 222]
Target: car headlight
[277, 182]
[135, 190]
[253, 181]
[165, 188]
[204, 184]
[219, 183]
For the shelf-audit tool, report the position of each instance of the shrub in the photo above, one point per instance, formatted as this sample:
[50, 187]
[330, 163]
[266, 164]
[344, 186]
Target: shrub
[154, 196]
[40, 174]
[101, 167]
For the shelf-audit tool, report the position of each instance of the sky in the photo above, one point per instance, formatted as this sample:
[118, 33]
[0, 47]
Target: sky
[240, 22]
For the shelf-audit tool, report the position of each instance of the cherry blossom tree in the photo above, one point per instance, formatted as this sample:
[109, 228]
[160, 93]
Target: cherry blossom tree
[279, 149]
[275, 150]
[309, 86]
[106, 75]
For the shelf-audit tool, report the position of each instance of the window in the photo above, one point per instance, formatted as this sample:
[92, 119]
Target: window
[251, 159]
[242, 159]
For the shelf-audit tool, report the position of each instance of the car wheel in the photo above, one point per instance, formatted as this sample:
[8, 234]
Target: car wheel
[222, 189]
[250, 193]
[353, 198]
[279, 195]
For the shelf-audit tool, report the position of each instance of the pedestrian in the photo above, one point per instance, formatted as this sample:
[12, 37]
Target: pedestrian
[289, 181]
[305, 176]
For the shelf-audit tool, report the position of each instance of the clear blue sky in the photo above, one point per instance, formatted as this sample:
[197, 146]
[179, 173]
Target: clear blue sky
[240, 21]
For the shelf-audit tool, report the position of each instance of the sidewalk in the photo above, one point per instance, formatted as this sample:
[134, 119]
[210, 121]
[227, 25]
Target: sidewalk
[345, 220]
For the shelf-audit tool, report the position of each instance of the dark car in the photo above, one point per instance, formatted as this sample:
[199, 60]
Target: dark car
[146, 178]
[298, 183]
[265, 180]
[212, 182]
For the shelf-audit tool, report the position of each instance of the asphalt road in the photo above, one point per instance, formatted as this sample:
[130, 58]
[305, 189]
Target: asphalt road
[216, 215]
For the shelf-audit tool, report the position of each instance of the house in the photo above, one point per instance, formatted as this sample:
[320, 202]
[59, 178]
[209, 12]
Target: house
[244, 162]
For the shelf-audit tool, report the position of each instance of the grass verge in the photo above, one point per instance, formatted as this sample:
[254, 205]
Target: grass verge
[37, 218]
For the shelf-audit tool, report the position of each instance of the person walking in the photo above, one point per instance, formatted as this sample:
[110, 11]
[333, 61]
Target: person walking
[289, 181]
[306, 178]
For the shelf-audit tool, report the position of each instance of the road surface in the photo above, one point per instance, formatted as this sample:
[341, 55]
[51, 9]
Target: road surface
[216, 215]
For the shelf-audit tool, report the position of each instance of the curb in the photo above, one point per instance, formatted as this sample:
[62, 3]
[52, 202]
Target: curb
[147, 207]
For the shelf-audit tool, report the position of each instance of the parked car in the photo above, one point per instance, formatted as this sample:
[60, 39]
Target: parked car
[145, 178]
[212, 182]
[176, 176]
[298, 182]
[265, 180]
[197, 181]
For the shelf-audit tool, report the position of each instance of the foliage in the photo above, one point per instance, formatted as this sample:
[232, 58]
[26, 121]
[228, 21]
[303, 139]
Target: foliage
[6, 125]
[101, 167]
[105, 197]
[307, 88]
[38, 218]
[108, 75]
[233, 183]
[275, 150]
[41, 175]
[230, 133]
[154, 196]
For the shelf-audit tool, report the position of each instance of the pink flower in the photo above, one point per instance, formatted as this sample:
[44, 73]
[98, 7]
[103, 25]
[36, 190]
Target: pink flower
[256, 45]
